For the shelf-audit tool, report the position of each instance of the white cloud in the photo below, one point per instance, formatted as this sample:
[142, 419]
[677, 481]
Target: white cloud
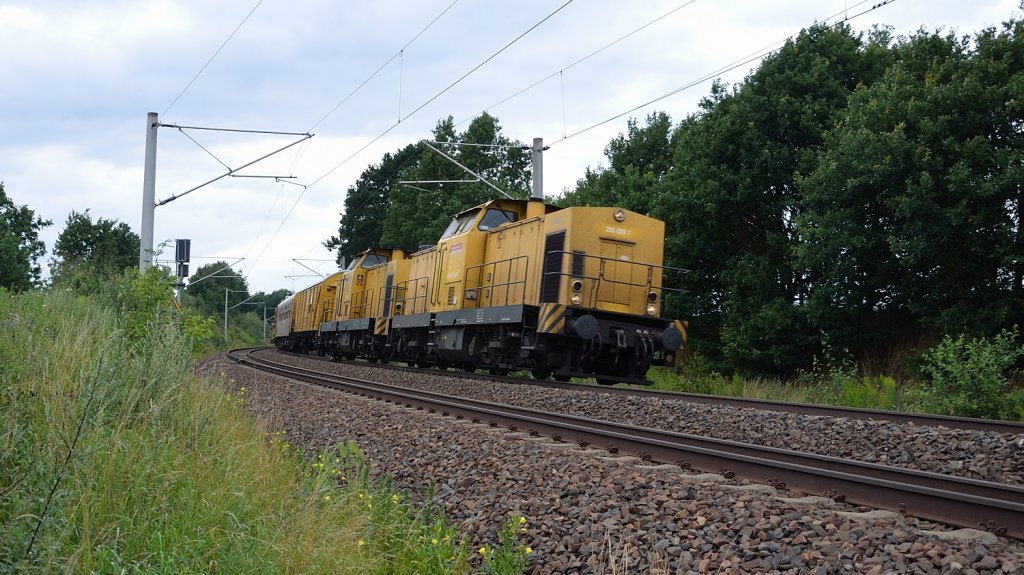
[84, 75]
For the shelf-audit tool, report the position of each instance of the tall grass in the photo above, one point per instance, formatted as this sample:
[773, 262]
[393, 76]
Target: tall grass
[114, 458]
[163, 472]
[830, 383]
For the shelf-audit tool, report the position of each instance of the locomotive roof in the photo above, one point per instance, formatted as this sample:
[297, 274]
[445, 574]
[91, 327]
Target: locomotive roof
[548, 208]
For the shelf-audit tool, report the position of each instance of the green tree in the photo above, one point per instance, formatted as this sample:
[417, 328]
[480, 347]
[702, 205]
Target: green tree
[637, 162]
[100, 249]
[272, 299]
[367, 203]
[730, 201]
[207, 295]
[20, 246]
[418, 215]
[912, 213]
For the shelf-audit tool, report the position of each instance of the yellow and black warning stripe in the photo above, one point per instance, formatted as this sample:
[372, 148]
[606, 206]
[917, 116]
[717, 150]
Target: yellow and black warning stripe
[380, 326]
[552, 318]
[681, 326]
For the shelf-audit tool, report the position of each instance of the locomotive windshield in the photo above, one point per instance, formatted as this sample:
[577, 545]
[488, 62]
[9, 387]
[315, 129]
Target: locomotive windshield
[460, 223]
[495, 217]
[370, 261]
[374, 259]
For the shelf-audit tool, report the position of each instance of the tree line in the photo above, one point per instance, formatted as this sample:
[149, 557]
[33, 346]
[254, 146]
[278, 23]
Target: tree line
[858, 191]
[89, 254]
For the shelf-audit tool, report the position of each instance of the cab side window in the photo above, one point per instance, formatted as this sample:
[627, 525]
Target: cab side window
[460, 224]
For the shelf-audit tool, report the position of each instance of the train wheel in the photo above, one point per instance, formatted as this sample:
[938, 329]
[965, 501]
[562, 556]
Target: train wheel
[606, 381]
[540, 372]
[501, 371]
[562, 378]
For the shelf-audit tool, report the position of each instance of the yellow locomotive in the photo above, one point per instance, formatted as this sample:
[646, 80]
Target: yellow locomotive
[511, 285]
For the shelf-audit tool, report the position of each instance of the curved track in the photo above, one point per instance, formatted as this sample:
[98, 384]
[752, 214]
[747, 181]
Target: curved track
[942, 498]
[901, 417]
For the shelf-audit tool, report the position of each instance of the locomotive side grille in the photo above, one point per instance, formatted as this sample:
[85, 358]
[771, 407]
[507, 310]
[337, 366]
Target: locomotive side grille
[578, 261]
[388, 289]
[551, 276]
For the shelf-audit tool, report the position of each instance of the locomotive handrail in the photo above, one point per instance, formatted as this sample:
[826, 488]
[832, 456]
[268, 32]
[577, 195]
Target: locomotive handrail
[341, 295]
[367, 299]
[414, 288]
[481, 285]
[601, 271]
[435, 295]
[389, 292]
[328, 306]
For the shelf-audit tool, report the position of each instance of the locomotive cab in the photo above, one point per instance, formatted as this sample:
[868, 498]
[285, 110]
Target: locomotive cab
[462, 249]
[353, 325]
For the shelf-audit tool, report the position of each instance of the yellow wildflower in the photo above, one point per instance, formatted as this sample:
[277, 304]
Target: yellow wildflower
[529, 550]
[483, 551]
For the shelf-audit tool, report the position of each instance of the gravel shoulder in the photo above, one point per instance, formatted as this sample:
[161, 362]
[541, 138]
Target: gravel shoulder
[965, 453]
[590, 513]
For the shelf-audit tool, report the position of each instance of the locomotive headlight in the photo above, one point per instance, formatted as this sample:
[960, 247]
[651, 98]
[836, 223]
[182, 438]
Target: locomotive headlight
[576, 285]
[619, 214]
[652, 297]
[576, 299]
[652, 309]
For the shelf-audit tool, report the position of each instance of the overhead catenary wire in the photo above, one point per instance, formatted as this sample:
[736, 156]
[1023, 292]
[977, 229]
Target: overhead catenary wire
[581, 60]
[201, 70]
[476, 145]
[729, 67]
[489, 58]
[406, 117]
[759, 54]
[298, 156]
[398, 54]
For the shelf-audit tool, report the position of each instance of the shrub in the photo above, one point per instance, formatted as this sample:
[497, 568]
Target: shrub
[969, 377]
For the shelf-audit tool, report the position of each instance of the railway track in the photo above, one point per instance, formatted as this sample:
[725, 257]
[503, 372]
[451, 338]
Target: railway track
[942, 498]
[920, 419]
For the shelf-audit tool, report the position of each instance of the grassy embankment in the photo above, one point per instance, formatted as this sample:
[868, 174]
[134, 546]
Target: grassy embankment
[114, 458]
[962, 376]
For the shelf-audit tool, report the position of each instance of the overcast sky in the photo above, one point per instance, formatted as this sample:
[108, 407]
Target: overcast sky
[80, 77]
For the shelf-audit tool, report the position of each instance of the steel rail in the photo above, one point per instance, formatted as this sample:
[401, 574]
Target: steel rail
[900, 417]
[946, 499]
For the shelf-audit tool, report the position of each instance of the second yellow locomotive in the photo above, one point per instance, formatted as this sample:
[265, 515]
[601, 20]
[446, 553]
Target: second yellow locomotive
[511, 285]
